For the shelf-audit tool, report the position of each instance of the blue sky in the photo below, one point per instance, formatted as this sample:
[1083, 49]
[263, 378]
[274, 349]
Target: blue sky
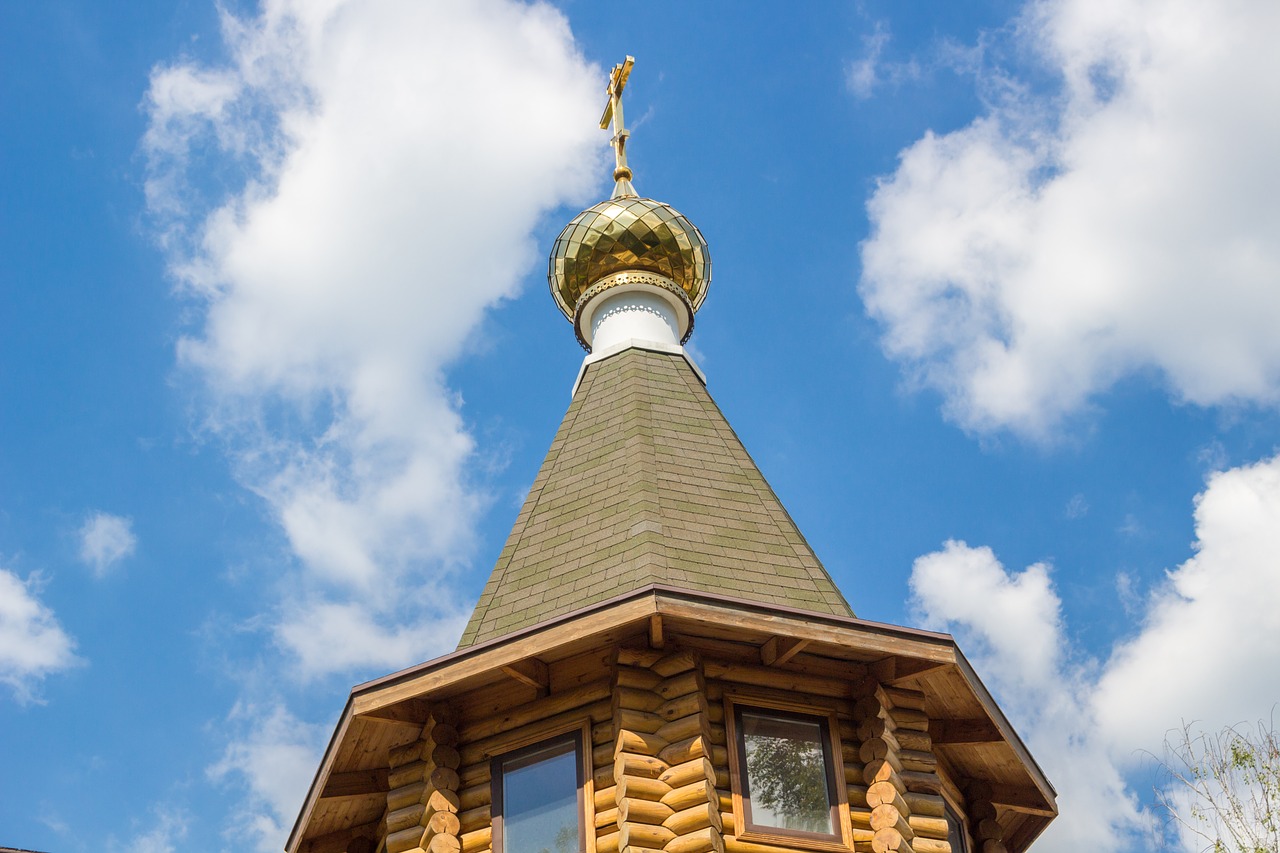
[994, 308]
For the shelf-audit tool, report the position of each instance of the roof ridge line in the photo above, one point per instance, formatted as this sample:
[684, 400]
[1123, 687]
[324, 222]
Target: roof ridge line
[776, 505]
[512, 545]
[649, 488]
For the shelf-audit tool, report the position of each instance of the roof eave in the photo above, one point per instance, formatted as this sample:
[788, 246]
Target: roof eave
[615, 613]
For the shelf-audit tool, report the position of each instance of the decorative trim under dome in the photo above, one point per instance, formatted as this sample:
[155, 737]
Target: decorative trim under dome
[589, 307]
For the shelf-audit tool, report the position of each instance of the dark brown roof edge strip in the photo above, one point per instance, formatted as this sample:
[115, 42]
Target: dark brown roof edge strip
[973, 678]
[293, 841]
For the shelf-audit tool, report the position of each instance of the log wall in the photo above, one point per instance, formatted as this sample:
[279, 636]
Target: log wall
[658, 755]
[422, 800]
[895, 781]
[663, 758]
[988, 835]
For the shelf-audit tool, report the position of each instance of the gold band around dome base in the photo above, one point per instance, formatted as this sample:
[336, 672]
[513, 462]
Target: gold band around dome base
[622, 279]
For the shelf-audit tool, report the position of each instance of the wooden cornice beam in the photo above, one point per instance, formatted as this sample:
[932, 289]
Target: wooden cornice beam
[356, 783]
[530, 671]
[776, 651]
[1019, 799]
[342, 840]
[957, 732]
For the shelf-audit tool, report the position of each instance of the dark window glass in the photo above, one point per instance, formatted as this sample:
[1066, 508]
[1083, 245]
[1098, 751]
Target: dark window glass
[955, 832]
[789, 781]
[537, 799]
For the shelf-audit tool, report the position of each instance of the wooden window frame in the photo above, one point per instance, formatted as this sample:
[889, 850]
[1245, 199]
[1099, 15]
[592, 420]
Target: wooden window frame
[842, 838]
[529, 744]
[955, 806]
[952, 808]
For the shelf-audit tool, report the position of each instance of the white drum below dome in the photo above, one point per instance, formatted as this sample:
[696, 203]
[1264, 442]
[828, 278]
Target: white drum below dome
[633, 311]
[640, 315]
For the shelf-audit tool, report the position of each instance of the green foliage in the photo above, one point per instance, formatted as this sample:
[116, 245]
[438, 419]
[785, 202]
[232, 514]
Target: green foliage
[566, 839]
[1224, 788]
[789, 778]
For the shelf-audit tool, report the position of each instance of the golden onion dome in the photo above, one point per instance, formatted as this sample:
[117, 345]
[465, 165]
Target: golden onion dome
[628, 242]
[628, 235]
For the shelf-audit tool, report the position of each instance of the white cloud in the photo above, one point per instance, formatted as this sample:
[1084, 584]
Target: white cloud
[274, 756]
[1021, 624]
[105, 540]
[1127, 591]
[32, 643]
[1131, 526]
[871, 70]
[1125, 225]
[863, 73]
[1011, 627]
[394, 158]
[329, 635]
[1218, 617]
[1207, 650]
[166, 834]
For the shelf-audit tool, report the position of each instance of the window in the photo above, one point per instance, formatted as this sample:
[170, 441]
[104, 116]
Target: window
[956, 835]
[784, 776]
[538, 798]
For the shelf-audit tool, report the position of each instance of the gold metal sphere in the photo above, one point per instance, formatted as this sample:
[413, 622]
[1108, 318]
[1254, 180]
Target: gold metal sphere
[623, 234]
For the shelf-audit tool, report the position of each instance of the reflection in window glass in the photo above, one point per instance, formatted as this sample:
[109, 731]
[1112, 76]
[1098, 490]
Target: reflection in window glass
[787, 782]
[539, 806]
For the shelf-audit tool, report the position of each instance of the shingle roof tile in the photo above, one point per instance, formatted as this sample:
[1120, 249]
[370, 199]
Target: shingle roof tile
[646, 483]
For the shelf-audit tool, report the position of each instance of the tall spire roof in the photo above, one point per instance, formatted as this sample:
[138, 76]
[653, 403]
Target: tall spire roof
[646, 483]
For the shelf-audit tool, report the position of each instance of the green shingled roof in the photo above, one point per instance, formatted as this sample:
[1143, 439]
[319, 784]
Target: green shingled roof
[646, 483]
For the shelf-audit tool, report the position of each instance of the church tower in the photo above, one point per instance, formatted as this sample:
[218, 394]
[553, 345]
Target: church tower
[659, 662]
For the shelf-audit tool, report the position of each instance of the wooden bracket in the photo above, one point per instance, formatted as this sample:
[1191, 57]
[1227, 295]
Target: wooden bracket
[956, 732]
[1019, 799]
[530, 671]
[894, 670]
[778, 650]
[656, 640]
[357, 783]
[341, 841]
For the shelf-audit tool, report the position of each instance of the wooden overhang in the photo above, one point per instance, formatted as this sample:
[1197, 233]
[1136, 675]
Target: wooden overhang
[972, 738]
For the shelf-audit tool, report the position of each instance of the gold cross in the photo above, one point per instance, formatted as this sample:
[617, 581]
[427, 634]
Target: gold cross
[613, 111]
